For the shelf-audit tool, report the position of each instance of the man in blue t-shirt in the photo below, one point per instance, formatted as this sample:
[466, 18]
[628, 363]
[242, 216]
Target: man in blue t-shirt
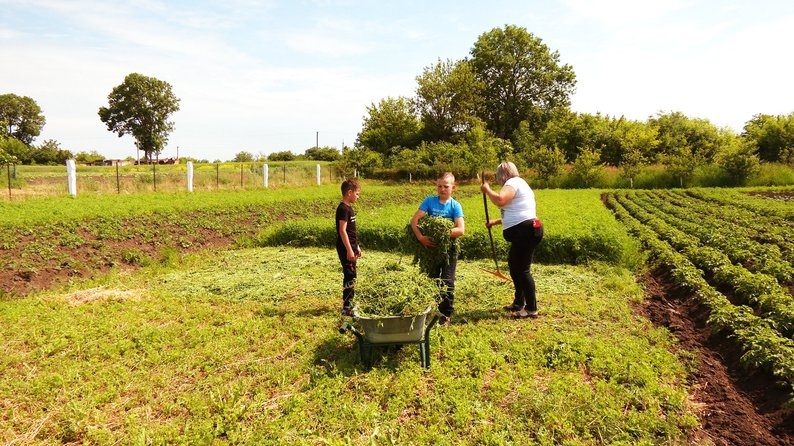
[443, 205]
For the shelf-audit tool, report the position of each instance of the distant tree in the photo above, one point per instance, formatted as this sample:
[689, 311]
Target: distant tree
[413, 161]
[566, 130]
[631, 163]
[740, 162]
[773, 136]
[484, 149]
[681, 163]
[389, 125]
[6, 157]
[285, 155]
[141, 106]
[323, 154]
[547, 162]
[699, 136]
[49, 153]
[243, 157]
[522, 80]
[20, 117]
[447, 100]
[587, 168]
[88, 157]
[15, 150]
[456, 158]
[359, 160]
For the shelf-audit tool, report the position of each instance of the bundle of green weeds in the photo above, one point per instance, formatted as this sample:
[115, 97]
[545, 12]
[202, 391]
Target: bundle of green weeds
[395, 291]
[431, 259]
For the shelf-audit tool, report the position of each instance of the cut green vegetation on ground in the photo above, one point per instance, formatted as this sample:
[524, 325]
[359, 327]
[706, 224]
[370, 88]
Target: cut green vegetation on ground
[242, 347]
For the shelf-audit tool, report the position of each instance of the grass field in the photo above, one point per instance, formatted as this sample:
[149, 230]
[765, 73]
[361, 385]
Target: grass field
[242, 347]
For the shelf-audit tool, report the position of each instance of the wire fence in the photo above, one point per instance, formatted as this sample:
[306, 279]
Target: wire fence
[24, 181]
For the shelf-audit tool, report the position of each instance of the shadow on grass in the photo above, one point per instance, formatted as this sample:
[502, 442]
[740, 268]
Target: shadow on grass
[340, 355]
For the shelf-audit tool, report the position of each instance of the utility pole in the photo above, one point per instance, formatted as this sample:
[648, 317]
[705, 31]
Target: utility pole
[317, 140]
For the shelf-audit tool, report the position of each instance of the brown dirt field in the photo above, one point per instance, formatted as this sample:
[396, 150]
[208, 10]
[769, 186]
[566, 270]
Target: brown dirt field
[738, 406]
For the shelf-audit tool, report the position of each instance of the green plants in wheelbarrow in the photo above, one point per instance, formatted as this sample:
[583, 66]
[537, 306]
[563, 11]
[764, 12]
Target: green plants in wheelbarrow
[391, 305]
[395, 290]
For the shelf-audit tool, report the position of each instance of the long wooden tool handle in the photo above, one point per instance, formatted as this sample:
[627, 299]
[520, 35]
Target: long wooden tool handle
[488, 220]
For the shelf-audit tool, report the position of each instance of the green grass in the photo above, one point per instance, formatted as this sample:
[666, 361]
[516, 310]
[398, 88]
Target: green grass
[242, 347]
[578, 229]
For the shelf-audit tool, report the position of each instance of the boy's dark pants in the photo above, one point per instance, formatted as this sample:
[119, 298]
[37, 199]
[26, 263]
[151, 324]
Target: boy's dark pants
[523, 238]
[447, 275]
[348, 278]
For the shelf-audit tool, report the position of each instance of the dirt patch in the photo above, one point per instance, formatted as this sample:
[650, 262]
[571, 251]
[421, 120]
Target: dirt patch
[738, 407]
[787, 195]
[101, 294]
[97, 256]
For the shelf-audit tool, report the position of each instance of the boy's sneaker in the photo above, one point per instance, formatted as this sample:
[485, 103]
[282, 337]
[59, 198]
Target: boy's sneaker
[347, 311]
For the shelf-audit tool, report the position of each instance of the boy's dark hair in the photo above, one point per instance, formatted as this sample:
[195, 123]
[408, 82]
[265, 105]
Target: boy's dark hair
[349, 184]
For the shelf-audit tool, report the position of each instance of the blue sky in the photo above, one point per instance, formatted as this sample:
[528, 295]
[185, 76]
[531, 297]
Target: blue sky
[266, 76]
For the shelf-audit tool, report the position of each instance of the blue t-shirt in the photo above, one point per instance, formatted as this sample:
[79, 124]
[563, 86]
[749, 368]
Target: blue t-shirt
[435, 208]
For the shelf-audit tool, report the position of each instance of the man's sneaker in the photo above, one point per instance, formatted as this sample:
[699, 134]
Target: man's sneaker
[347, 311]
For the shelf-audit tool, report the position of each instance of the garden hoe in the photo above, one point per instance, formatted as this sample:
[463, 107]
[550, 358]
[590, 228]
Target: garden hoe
[496, 273]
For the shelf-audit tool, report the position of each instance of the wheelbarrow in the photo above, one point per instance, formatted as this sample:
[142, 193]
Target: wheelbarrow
[385, 331]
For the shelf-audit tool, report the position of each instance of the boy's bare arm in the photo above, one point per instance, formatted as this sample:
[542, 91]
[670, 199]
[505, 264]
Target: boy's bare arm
[459, 229]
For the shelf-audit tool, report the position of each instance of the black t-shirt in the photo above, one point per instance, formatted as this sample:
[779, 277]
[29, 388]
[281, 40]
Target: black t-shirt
[345, 212]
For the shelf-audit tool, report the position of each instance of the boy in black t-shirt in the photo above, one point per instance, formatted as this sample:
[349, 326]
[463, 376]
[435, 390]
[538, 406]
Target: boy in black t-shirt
[347, 241]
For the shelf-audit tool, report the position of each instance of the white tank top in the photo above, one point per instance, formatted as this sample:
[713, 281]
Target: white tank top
[522, 207]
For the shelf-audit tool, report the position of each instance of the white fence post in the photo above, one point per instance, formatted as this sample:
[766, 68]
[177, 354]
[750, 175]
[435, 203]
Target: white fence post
[318, 174]
[190, 176]
[71, 177]
[265, 173]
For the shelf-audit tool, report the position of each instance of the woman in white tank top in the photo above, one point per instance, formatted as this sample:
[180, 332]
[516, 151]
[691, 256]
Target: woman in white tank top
[524, 231]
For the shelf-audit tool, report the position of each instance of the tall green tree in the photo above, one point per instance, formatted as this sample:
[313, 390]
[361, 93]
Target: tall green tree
[20, 117]
[447, 100]
[773, 136]
[390, 126]
[141, 107]
[523, 80]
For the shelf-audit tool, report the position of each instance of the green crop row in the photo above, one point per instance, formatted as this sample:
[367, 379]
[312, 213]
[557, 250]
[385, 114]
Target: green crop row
[761, 228]
[762, 345]
[722, 233]
[740, 197]
[759, 290]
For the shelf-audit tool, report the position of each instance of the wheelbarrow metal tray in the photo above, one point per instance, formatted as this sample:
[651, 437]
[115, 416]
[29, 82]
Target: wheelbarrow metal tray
[393, 329]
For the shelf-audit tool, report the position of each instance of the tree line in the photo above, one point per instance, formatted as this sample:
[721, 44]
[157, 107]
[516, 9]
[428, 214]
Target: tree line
[509, 99]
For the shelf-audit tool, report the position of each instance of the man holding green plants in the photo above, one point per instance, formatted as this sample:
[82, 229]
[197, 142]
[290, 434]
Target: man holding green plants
[442, 206]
